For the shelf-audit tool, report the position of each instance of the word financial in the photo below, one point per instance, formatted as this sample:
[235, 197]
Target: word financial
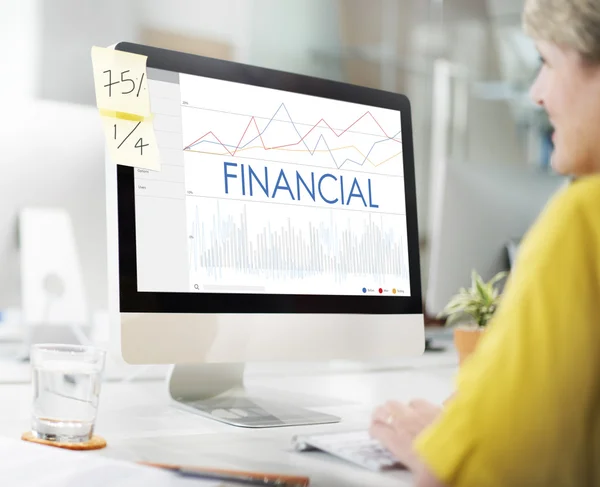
[328, 188]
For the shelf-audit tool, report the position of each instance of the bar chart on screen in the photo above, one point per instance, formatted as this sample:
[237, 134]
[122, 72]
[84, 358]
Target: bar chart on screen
[292, 194]
[304, 252]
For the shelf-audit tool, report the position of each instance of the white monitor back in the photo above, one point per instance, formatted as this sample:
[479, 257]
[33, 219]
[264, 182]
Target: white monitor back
[477, 211]
[52, 290]
[52, 156]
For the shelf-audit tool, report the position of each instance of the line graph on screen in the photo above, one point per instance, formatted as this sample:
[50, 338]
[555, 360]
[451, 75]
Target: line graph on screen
[362, 144]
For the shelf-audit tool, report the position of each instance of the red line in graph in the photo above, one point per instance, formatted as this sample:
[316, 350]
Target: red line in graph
[252, 119]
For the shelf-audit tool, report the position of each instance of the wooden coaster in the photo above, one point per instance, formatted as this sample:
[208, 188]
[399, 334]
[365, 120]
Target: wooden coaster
[96, 443]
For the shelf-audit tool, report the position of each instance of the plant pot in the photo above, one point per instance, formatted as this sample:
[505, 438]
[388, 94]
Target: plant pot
[465, 341]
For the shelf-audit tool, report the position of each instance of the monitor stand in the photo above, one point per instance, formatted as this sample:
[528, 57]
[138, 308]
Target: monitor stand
[217, 391]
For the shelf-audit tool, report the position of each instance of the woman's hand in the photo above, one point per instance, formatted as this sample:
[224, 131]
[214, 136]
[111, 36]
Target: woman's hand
[396, 425]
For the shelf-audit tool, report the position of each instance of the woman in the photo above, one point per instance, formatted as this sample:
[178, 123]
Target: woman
[526, 411]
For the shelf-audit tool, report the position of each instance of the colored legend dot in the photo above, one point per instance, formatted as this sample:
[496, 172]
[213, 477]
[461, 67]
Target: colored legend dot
[394, 291]
[380, 291]
[364, 289]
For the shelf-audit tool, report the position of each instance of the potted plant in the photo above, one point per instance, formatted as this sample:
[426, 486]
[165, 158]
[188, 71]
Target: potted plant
[472, 308]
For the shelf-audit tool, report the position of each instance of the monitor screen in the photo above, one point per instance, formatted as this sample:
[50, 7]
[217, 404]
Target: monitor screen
[264, 191]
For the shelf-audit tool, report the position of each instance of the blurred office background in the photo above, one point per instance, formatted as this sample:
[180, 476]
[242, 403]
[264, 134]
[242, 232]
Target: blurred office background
[464, 64]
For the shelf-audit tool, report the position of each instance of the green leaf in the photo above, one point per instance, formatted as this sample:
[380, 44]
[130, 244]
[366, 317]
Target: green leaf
[481, 290]
[498, 277]
[455, 318]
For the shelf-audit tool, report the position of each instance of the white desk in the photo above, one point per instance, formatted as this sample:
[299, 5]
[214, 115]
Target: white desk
[139, 423]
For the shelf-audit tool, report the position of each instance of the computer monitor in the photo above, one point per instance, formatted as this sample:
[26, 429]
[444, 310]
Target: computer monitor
[480, 212]
[281, 227]
[52, 157]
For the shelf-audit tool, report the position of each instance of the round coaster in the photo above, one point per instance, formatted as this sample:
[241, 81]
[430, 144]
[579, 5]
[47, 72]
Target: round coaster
[96, 443]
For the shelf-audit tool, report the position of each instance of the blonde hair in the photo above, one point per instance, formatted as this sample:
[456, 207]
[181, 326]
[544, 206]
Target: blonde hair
[573, 24]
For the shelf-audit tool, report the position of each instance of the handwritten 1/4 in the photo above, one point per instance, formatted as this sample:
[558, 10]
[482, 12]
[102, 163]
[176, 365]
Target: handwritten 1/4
[138, 145]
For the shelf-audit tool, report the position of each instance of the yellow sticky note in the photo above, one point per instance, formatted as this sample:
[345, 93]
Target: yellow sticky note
[132, 142]
[120, 81]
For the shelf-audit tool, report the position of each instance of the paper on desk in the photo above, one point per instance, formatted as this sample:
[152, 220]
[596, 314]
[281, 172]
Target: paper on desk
[25, 464]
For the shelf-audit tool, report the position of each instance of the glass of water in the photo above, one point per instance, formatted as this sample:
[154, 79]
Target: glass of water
[66, 391]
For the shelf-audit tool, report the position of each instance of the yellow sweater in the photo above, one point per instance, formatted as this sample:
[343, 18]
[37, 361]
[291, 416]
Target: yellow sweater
[527, 408]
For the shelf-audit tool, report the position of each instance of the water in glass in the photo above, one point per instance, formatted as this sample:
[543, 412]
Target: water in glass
[66, 397]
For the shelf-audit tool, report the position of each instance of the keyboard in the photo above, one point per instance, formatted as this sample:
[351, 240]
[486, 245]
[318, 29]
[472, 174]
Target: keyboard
[356, 447]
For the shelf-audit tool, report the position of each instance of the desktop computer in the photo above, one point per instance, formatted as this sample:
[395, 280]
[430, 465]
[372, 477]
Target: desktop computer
[52, 166]
[480, 213]
[281, 227]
